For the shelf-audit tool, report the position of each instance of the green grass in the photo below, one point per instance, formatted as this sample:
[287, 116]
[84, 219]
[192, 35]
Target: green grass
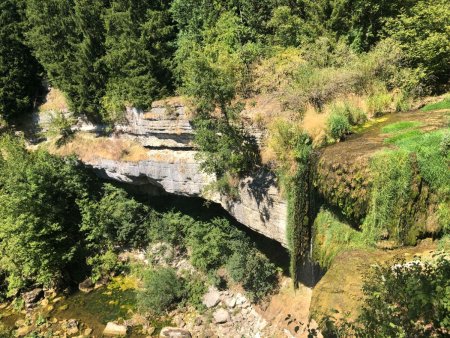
[431, 152]
[408, 134]
[399, 126]
[331, 237]
[444, 104]
[433, 162]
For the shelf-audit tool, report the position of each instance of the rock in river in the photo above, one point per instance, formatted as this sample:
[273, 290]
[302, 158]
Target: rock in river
[174, 332]
[86, 286]
[113, 329]
[32, 297]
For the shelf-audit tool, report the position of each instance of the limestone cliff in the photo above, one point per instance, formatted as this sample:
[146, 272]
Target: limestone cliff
[171, 167]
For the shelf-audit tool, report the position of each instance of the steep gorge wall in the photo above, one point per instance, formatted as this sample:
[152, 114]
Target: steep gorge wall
[172, 167]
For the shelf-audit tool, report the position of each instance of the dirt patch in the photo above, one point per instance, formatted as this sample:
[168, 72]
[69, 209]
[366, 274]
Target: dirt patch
[288, 301]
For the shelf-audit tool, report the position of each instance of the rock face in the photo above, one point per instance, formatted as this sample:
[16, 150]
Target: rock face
[172, 167]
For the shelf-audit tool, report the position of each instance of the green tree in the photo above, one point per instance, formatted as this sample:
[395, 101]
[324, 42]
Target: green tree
[67, 39]
[115, 219]
[19, 70]
[139, 48]
[361, 22]
[212, 243]
[52, 37]
[256, 273]
[40, 240]
[423, 33]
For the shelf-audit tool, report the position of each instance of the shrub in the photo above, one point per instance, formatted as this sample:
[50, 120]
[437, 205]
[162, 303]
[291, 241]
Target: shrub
[212, 243]
[225, 148]
[103, 264]
[61, 127]
[170, 227]
[256, 273]
[354, 114]
[162, 288]
[379, 102]
[338, 125]
[422, 34]
[116, 219]
[194, 290]
[40, 216]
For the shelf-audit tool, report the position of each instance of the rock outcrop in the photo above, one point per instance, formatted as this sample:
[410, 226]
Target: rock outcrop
[172, 167]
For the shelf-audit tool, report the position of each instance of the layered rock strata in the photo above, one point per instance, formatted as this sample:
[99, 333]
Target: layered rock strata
[172, 167]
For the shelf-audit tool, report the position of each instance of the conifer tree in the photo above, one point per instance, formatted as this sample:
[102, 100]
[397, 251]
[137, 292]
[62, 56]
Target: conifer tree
[19, 79]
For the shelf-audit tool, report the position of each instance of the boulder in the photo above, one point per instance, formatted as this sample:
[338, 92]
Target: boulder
[113, 329]
[211, 298]
[240, 299]
[230, 302]
[221, 316]
[86, 286]
[23, 331]
[32, 297]
[72, 327]
[174, 332]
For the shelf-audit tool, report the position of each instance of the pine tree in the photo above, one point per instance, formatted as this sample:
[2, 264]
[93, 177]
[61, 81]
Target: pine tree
[19, 79]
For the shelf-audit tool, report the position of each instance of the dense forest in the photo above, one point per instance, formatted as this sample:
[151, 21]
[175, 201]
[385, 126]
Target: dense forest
[351, 60]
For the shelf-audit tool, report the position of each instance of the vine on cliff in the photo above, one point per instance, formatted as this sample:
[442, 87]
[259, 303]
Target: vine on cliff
[293, 149]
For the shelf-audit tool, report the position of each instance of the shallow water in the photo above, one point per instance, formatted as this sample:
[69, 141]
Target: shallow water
[95, 309]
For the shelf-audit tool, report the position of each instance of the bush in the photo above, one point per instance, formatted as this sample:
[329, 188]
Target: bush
[116, 219]
[212, 243]
[194, 290]
[423, 36]
[162, 288]
[338, 125]
[256, 273]
[40, 217]
[103, 264]
[170, 227]
[355, 115]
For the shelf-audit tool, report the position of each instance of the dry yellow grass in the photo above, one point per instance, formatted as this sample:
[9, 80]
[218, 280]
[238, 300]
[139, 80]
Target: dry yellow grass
[91, 149]
[54, 101]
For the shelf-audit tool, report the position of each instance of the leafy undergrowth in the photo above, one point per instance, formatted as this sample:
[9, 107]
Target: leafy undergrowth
[444, 104]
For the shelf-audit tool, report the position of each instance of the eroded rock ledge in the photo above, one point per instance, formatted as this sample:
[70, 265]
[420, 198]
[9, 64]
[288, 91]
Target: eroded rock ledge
[172, 167]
